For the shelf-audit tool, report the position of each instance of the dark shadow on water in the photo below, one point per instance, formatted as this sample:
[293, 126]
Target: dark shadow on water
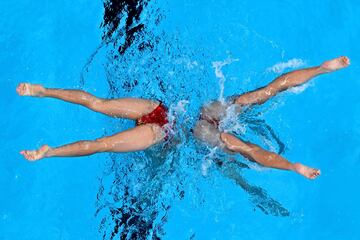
[121, 36]
[129, 11]
[133, 199]
[251, 117]
[232, 169]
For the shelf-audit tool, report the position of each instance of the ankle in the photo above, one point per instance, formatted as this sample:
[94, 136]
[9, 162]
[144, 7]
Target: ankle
[296, 166]
[321, 70]
[44, 92]
[47, 151]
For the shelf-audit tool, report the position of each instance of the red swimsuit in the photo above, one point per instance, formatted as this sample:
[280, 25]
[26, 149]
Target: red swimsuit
[158, 116]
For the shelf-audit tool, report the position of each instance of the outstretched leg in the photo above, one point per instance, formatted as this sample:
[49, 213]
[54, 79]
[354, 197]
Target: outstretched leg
[266, 158]
[132, 108]
[290, 80]
[135, 139]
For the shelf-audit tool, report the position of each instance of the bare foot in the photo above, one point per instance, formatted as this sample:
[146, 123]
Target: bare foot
[35, 154]
[27, 89]
[307, 172]
[335, 64]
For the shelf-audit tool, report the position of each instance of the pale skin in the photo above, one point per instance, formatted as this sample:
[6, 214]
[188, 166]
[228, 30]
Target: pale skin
[207, 129]
[135, 139]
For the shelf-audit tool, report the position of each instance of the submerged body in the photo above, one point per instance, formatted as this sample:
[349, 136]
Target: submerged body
[208, 128]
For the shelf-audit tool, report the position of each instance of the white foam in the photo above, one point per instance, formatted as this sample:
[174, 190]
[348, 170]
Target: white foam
[300, 89]
[191, 65]
[207, 161]
[281, 66]
[220, 75]
[180, 106]
[231, 123]
[174, 111]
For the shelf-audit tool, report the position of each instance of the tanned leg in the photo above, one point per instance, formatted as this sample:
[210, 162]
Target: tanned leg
[290, 80]
[132, 108]
[135, 139]
[266, 158]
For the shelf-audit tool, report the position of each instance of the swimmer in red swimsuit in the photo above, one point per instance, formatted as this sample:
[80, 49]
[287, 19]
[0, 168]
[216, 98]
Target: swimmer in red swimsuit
[207, 128]
[150, 117]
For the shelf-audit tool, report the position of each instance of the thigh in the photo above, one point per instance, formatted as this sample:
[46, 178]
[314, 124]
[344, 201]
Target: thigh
[258, 96]
[135, 139]
[131, 108]
[208, 133]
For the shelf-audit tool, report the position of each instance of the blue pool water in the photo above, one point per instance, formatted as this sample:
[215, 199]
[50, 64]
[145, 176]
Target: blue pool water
[180, 192]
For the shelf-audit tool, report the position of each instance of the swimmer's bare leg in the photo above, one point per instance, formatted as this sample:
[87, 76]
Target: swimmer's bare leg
[132, 108]
[266, 158]
[135, 139]
[290, 80]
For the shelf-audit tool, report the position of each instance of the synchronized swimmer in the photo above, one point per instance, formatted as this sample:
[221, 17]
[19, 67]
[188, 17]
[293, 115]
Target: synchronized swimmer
[207, 128]
[151, 119]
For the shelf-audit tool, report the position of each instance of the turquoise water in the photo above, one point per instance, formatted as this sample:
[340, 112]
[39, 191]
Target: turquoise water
[180, 191]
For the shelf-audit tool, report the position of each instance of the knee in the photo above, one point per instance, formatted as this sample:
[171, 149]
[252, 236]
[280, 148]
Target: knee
[96, 103]
[253, 150]
[102, 145]
[85, 145]
[267, 92]
[95, 146]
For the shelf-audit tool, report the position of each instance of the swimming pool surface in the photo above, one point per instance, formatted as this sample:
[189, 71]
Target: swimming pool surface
[183, 53]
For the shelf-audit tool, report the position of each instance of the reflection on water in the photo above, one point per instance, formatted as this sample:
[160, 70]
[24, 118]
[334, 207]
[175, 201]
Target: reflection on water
[232, 169]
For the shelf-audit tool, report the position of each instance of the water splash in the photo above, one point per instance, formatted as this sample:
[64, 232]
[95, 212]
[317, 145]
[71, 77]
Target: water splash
[136, 195]
[207, 161]
[176, 111]
[231, 123]
[180, 107]
[281, 66]
[218, 65]
[301, 88]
